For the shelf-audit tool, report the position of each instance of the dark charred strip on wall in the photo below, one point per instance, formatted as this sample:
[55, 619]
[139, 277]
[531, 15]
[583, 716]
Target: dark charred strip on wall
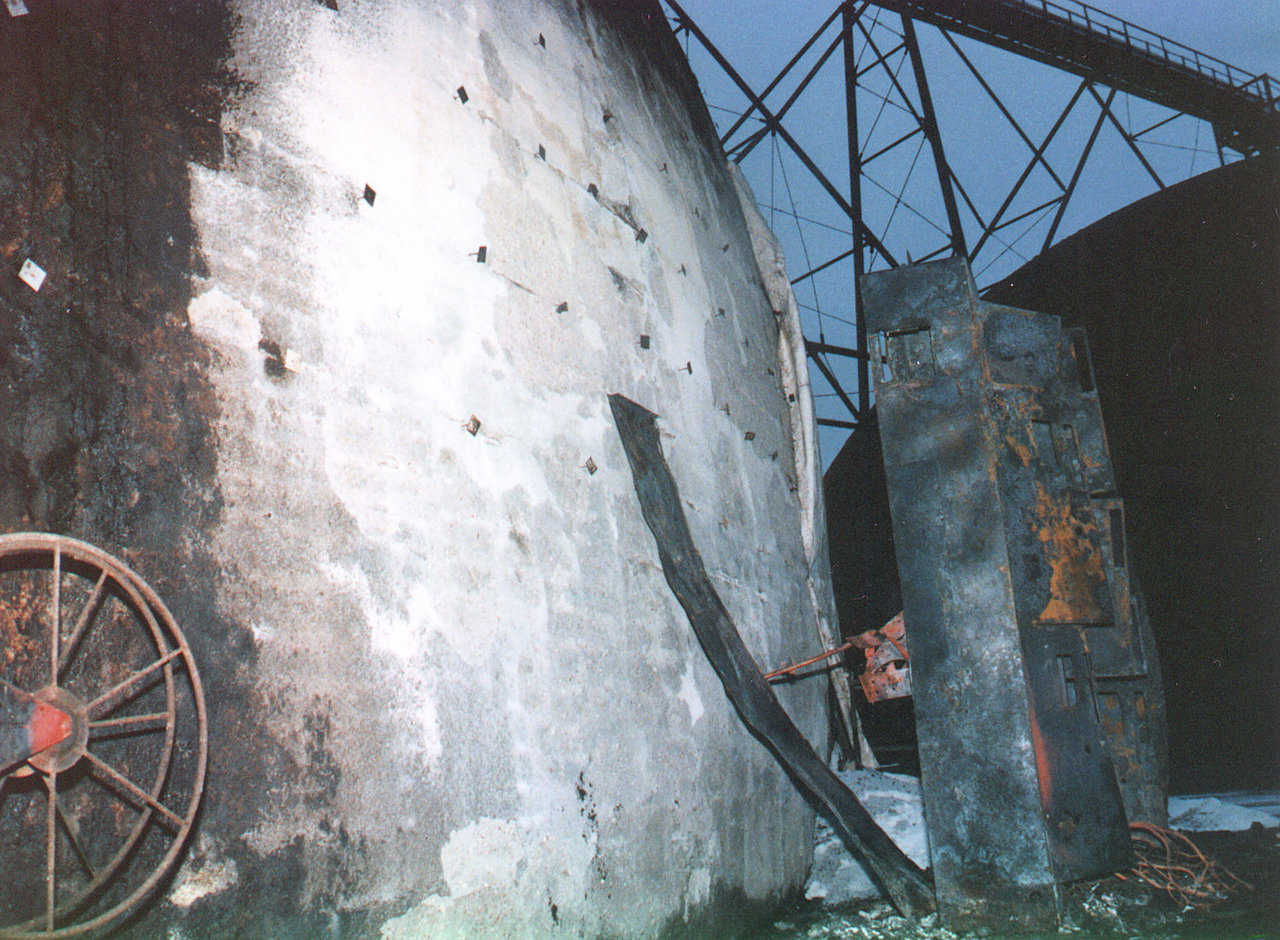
[108, 418]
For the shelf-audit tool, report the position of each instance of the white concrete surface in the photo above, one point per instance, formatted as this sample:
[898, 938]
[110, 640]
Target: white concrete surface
[500, 720]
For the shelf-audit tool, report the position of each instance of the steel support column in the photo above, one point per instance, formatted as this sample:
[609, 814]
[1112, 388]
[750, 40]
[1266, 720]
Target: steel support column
[854, 216]
[930, 121]
[855, 199]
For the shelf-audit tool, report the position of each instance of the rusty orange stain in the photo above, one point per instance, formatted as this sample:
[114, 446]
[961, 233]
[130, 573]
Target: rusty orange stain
[1044, 771]
[1074, 562]
[53, 195]
[1020, 450]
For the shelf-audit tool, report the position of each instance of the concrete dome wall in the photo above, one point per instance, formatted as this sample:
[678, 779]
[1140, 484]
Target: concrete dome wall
[450, 690]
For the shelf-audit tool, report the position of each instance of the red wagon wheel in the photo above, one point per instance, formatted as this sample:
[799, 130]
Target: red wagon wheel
[90, 825]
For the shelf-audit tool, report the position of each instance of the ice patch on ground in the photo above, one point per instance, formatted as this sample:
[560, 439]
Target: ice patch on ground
[1220, 813]
[896, 804]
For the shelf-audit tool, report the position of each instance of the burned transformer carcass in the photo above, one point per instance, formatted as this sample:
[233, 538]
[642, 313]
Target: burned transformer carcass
[1037, 694]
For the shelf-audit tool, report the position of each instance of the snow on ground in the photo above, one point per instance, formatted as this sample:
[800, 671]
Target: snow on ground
[895, 802]
[1224, 812]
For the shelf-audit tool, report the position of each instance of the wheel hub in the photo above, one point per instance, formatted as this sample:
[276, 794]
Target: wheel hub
[64, 718]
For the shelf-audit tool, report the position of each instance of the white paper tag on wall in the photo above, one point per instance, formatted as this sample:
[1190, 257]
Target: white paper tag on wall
[31, 274]
[16, 7]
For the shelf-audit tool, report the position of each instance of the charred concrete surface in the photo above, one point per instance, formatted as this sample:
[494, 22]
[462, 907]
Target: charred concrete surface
[293, 251]
[107, 433]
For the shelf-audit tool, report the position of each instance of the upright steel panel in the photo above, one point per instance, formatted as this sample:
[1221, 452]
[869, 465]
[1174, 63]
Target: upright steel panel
[1016, 595]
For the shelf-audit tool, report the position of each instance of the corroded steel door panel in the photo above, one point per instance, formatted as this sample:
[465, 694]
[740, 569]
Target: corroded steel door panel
[1010, 548]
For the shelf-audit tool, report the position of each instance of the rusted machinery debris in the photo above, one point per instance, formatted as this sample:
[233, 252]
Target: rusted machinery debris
[887, 669]
[886, 673]
[1038, 704]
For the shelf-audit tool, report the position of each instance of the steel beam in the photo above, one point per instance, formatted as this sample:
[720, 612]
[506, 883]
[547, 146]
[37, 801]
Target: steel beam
[808, 44]
[1128, 138]
[1075, 177]
[822, 267]
[1000, 104]
[930, 123]
[844, 204]
[814, 349]
[855, 192]
[835, 383]
[774, 122]
[1053, 131]
[1116, 54]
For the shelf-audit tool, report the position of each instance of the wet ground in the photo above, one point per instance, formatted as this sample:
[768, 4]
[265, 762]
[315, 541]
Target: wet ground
[1105, 909]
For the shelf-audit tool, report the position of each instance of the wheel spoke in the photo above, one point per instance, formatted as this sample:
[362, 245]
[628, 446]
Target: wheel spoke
[83, 622]
[113, 698]
[154, 721]
[133, 789]
[72, 829]
[56, 618]
[13, 689]
[51, 849]
[145, 759]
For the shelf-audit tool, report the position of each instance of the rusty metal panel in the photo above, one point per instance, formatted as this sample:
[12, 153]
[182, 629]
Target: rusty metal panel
[1069, 555]
[1010, 547]
[987, 837]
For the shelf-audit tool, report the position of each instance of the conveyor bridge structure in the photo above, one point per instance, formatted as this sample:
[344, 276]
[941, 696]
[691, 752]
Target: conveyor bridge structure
[1089, 42]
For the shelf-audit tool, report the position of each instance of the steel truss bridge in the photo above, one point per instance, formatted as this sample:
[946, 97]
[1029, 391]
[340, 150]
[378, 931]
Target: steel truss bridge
[867, 113]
